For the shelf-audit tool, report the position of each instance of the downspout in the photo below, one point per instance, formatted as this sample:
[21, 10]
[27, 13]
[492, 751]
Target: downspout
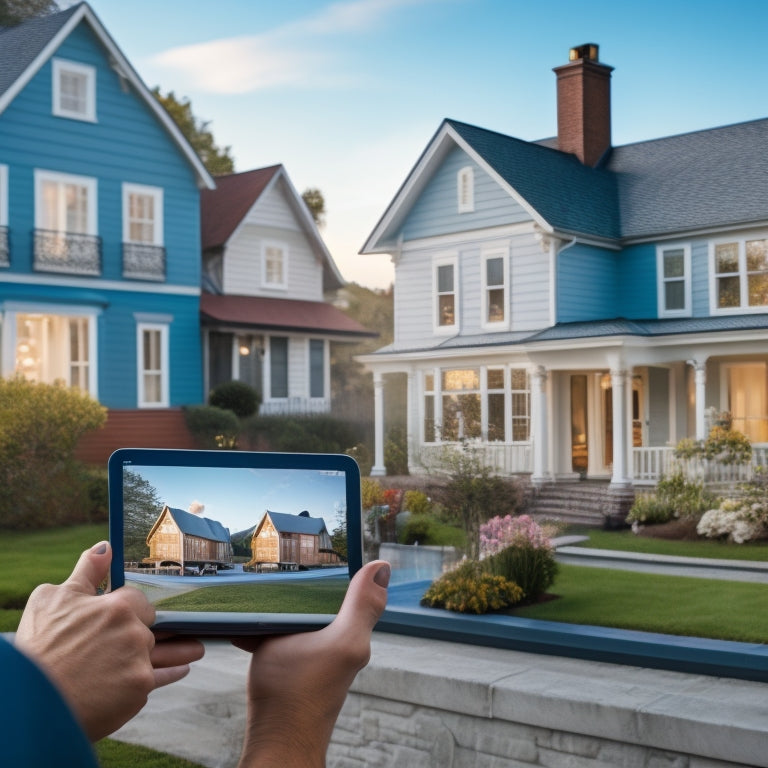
[554, 253]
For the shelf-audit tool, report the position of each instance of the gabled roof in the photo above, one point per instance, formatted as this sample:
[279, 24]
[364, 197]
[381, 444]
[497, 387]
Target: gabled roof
[642, 190]
[294, 523]
[26, 47]
[194, 525]
[270, 314]
[223, 210]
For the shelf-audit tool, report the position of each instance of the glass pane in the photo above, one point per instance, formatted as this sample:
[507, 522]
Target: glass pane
[758, 290]
[278, 348]
[77, 208]
[445, 278]
[151, 388]
[674, 295]
[429, 382]
[496, 378]
[727, 258]
[757, 255]
[519, 378]
[461, 416]
[674, 263]
[429, 418]
[461, 379]
[728, 292]
[316, 368]
[494, 271]
[495, 417]
[446, 316]
[520, 430]
[151, 351]
[496, 305]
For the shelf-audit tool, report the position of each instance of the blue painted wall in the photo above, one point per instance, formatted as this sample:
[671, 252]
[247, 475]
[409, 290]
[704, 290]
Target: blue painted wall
[126, 144]
[587, 284]
[637, 282]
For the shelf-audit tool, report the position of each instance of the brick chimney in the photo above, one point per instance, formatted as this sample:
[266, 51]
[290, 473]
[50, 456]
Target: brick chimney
[584, 105]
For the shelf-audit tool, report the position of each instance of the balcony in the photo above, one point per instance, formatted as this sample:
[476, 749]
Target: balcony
[143, 262]
[68, 252]
[5, 251]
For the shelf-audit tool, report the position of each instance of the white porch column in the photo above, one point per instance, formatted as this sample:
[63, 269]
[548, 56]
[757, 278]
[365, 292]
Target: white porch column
[411, 414]
[378, 469]
[700, 378]
[621, 477]
[539, 425]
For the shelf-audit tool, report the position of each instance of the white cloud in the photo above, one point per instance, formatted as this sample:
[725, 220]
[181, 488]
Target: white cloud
[297, 53]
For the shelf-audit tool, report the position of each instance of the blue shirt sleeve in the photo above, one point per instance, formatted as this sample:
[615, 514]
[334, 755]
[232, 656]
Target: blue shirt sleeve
[37, 730]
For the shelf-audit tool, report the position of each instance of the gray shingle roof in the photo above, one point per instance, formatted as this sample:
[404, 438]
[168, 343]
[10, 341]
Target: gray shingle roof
[297, 523]
[202, 527]
[20, 45]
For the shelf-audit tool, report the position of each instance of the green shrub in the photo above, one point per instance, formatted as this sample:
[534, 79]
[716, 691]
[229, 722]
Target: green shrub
[41, 483]
[396, 453]
[212, 427]
[469, 589]
[674, 497]
[649, 509]
[533, 569]
[235, 396]
[724, 445]
[372, 493]
[416, 530]
[303, 434]
[417, 502]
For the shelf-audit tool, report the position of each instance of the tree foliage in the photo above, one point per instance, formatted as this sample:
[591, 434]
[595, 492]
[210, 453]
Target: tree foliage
[141, 507]
[315, 201]
[216, 159]
[13, 12]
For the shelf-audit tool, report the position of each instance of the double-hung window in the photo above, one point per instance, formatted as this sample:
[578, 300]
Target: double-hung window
[739, 276]
[153, 382]
[446, 295]
[74, 90]
[673, 267]
[494, 298]
[274, 260]
[316, 368]
[143, 252]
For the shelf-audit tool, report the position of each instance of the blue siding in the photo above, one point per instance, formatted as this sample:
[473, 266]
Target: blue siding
[700, 279]
[638, 282]
[126, 144]
[587, 284]
[436, 210]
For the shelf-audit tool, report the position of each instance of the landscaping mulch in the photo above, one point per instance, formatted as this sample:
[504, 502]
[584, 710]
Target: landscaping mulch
[683, 529]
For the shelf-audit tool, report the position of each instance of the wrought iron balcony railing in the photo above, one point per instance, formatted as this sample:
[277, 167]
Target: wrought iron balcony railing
[68, 252]
[143, 262]
[5, 251]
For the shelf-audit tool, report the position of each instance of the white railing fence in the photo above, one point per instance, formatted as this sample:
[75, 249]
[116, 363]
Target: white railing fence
[295, 406]
[504, 458]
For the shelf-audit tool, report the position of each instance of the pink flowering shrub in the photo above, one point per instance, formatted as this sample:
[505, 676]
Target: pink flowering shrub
[502, 532]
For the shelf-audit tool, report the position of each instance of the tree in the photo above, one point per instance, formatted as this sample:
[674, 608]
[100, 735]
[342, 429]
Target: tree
[315, 201]
[218, 161]
[141, 507]
[13, 12]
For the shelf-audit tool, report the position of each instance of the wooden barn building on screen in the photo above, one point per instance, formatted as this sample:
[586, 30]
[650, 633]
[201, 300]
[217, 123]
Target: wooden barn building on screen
[292, 540]
[189, 540]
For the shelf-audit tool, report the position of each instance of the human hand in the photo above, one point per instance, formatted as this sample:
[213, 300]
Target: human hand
[99, 650]
[297, 683]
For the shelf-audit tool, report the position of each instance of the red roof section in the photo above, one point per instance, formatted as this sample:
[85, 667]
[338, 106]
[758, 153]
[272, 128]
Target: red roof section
[223, 208]
[279, 314]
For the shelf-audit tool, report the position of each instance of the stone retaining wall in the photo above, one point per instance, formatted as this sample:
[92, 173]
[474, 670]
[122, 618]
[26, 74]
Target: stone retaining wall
[431, 704]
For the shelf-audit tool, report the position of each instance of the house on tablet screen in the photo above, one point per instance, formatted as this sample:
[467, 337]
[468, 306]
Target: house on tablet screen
[297, 541]
[192, 542]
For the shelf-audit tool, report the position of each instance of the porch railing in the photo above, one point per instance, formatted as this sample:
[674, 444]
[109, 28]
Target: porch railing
[506, 459]
[650, 463]
[295, 406]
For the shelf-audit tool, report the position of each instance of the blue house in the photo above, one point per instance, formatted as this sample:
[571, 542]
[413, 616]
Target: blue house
[575, 308]
[99, 221]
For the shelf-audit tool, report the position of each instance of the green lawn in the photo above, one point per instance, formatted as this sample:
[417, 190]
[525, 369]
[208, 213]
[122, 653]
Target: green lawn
[118, 754]
[626, 541]
[727, 610]
[29, 558]
[299, 596]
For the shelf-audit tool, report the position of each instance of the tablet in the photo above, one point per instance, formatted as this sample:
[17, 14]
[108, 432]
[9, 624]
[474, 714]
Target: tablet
[233, 543]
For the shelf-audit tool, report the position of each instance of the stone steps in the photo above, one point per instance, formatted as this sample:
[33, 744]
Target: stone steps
[583, 503]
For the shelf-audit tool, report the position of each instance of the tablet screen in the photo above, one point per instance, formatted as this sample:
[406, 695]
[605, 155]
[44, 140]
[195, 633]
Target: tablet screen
[235, 536]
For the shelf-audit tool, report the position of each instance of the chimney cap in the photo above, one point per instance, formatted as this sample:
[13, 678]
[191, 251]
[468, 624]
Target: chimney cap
[587, 51]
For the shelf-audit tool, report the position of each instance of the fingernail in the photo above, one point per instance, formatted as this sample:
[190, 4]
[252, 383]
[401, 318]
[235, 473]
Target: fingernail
[99, 549]
[382, 575]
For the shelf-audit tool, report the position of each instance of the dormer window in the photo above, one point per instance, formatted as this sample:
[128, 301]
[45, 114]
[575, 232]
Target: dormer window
[274, 265]
[465, 187]
[74, 90]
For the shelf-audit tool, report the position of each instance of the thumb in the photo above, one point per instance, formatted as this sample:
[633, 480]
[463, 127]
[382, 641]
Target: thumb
[91, 569]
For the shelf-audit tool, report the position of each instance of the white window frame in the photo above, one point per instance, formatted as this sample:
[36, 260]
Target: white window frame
[661, 281]
[743, 308]
[62, 179]
[164, 372]
[3, 195]
[156, 193]
[63, 66]
[8, 337]
[503, 254]
[442, 261]
[465, 189]
[266, 245]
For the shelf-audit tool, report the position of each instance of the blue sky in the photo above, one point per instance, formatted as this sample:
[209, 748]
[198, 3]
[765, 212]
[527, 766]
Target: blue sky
[238, 498]
[347, 94]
